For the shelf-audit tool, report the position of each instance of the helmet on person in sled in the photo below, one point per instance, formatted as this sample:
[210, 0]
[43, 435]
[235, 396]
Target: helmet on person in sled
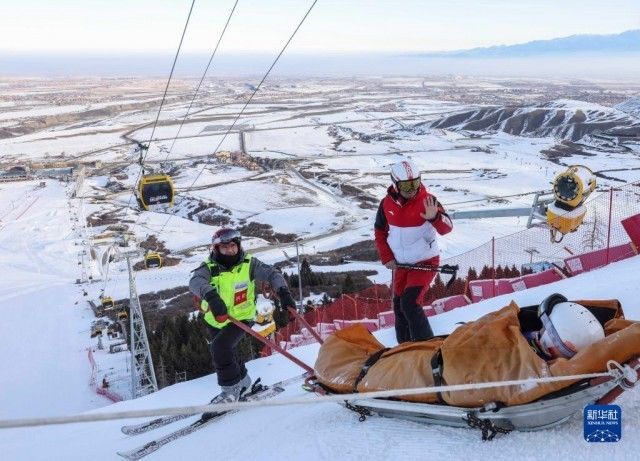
[567, 327]
[406, 178]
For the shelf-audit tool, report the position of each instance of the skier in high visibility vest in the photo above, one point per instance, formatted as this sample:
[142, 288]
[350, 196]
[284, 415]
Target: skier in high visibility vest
[226, 284]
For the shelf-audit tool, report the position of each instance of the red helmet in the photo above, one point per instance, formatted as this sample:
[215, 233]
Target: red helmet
[226, 235]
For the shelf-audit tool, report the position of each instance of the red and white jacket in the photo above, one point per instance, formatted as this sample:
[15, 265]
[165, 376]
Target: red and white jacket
[402, 234]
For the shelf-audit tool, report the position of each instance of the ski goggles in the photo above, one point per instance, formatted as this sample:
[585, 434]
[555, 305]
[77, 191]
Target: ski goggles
[410, 185]
[228, 236]
[565, 348]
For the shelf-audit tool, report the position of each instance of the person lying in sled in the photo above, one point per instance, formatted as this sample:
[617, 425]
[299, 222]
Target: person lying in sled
[495, 347]
[566, 329]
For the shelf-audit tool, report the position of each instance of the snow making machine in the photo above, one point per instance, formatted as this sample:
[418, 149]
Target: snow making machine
[562, 210]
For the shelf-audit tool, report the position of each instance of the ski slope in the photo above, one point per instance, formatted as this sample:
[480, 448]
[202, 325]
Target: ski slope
[43, 333]
[47, 381]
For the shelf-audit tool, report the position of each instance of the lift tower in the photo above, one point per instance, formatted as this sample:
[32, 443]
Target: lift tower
[143, 377]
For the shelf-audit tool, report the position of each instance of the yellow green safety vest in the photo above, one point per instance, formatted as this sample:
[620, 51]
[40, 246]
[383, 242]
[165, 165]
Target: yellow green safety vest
[236, 289]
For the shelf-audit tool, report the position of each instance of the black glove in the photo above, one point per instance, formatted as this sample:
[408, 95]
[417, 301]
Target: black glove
[217, 306]
[286, 300]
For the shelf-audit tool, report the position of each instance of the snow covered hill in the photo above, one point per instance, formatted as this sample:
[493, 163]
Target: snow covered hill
[630, 106]
[564, 119]
[324, 156]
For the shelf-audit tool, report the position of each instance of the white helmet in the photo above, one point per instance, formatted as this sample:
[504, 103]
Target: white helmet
[569, 328]
[406, 178]
[405, 170]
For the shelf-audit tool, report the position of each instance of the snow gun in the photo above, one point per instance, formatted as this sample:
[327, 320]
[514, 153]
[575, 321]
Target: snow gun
[444, 269]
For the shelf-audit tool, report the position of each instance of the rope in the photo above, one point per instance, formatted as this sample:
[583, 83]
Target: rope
[196, 409]
[246, 104]
[215, 50]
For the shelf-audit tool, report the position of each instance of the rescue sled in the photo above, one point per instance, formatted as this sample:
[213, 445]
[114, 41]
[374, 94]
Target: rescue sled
[489, 349]
[493, 418]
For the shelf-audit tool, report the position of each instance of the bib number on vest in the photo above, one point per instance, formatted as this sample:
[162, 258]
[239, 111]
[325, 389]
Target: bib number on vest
[240, 294]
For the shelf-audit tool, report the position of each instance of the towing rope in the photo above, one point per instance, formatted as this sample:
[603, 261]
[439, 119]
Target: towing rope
[615, 370]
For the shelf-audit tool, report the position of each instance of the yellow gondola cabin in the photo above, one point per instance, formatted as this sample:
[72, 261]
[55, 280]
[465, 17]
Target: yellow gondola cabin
[155, 190]
[153, 260]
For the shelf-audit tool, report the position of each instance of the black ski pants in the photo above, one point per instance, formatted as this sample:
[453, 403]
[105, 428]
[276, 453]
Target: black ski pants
[411, 322]
[223, 343]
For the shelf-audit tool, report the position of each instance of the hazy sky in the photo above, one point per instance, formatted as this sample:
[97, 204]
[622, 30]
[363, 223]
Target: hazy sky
[333, 26]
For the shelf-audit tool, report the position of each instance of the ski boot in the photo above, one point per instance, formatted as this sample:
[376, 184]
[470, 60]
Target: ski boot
[229, 394]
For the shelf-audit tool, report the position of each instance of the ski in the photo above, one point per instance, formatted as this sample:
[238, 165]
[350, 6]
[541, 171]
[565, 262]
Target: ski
[201, 422]
[135, 429]
[141, 428]
[264, 392]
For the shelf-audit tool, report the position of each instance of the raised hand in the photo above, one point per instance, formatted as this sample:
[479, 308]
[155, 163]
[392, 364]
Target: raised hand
[430, 208]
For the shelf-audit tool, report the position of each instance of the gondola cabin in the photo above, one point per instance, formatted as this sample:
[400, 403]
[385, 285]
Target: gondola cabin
[122, 315]
[155, 190]
[106, 302]
[152, 260]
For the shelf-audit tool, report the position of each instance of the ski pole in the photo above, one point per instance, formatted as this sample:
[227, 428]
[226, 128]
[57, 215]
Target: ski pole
[444, 269]
[305, 324]
[271, 344]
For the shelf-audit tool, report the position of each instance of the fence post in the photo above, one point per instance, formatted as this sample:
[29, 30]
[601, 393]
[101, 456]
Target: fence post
[609, 227]
[355, 306]
[493, 266]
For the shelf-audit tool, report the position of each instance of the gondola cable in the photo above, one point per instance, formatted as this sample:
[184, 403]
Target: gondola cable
[204, 74]
[144, 154]
[256, 89]
[154, 258]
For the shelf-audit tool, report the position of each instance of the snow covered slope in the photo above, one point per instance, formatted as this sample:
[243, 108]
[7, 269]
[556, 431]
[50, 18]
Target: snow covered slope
[326, 431]
[631, 106]
[43, 334]
[565, 119]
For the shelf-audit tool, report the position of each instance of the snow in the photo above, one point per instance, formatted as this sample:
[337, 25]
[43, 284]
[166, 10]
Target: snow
[45, 324]
[44, 307]
[46, 320]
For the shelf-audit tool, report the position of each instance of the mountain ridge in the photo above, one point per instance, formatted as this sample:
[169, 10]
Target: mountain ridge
[624, 42]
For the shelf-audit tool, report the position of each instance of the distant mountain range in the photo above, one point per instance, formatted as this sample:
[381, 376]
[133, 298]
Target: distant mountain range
[626, 42]
[563, 119]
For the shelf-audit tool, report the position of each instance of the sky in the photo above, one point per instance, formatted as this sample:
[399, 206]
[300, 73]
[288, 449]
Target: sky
[334, 26]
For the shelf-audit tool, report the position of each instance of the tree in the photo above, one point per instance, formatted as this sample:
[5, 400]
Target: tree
[437, 290]
[307, 275]
[347, 285]
[485, 273]
[594, 237]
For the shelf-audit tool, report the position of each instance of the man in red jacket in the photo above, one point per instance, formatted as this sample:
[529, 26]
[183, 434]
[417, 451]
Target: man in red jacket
[407, 222]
